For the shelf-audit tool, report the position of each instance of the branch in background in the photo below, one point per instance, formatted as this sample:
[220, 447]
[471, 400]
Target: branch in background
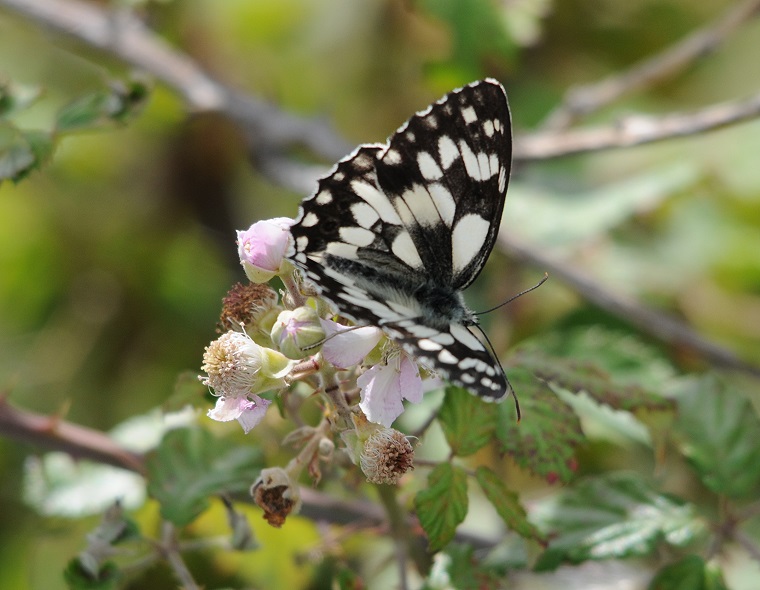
[266, 127]
[269, 130]
[635, 130]
[656, 324]
[52, 432]
[55, 434]
[584, 100]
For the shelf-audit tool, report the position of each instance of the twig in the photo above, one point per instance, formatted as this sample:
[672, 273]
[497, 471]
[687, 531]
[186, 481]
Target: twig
[53, 433]
[170, 550]
[635, 130]
[269, 130]
[266, 127]
[659, 325]
[584, 100]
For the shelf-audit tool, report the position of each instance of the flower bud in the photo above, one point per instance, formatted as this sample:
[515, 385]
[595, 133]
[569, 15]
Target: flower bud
[276, 494]
[296, 330]
[262, 249]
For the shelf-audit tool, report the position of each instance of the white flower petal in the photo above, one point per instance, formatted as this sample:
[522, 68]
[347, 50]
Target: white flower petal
[350, 346]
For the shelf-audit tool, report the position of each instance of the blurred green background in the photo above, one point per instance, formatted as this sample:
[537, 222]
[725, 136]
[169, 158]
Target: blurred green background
[115, 255]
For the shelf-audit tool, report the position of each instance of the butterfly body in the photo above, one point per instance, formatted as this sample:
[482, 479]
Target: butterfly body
[396, 231]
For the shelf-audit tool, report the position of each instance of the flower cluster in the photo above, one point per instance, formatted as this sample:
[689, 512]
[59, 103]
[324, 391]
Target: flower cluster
[269, 341]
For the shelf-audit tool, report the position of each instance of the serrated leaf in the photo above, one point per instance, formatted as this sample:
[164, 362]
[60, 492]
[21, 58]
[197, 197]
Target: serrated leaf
[612, 516]
[190, 465]
[507, 504]
[78, 579]
[443, 505]
[719, 433]
[468, 422]
[690, 573]
[607, 379]
[544, 442]
[103, 108]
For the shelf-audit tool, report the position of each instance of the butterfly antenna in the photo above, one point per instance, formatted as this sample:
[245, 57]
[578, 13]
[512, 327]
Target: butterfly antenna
[503, 372]
[331, 336]
[520, 294]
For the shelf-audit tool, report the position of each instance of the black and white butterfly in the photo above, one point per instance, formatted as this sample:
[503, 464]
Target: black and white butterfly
[396, 231]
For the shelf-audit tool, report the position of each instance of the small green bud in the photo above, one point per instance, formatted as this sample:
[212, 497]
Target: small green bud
[296, 330]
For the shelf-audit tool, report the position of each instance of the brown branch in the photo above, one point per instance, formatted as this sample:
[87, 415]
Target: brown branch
[51, 432]
[584, 100]
[635, 130]
[656, 324]
[266, 127]
[269, 130]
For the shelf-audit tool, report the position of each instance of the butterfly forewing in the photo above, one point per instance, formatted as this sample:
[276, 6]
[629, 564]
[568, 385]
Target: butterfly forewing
[396, 230]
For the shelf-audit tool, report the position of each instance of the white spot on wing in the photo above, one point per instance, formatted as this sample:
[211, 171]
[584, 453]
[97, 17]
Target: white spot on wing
[357, 236]
[377, 200]
[467, 338]
[341, 250]
[469, 115]
[447, 151]
[404, 248]
[427, 344]
[444, 202]
[364, 214]
[467, 239]
[470, 161]
[428, 166]
[392, 157]
[446, 357]
[324, 197]
[421, 204]
[310, 219]
[488, 128]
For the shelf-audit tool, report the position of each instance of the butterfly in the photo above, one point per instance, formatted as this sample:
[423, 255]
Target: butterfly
[395, 231]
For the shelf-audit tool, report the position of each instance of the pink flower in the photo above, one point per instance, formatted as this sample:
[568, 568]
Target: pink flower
[384, 387]
[350, 345]
[249, 410]
[262, 248]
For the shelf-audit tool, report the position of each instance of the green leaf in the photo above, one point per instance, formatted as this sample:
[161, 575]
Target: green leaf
[16, 97]
[190, 465]
[477, 33]
[461, 569]
[443, 505]
[719, 433]
[544, 442]
[507, 504]
[468, 422]
[114, 105]
[690, 573]
[78, 579]
[21, 151]
[612, 516]
[613, 367]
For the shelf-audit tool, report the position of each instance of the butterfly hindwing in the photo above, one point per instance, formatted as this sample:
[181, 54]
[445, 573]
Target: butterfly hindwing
[396, 230]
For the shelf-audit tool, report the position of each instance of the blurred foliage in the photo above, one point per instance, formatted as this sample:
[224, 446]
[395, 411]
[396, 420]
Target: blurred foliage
[117, 245]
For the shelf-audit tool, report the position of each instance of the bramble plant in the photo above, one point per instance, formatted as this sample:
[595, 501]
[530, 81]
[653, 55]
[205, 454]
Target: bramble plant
[305, 450]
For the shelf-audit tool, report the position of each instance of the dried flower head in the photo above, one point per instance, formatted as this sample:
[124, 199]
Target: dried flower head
[387, 455]
[246, 305]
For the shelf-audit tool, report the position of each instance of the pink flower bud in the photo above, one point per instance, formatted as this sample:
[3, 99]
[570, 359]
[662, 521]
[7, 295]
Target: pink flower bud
[262, 248]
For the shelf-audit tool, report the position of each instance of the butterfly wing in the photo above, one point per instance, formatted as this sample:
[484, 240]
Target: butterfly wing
[395, 230]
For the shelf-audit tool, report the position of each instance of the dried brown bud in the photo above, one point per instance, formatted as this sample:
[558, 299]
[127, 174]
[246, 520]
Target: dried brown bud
[244, 305]
[276, 494]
